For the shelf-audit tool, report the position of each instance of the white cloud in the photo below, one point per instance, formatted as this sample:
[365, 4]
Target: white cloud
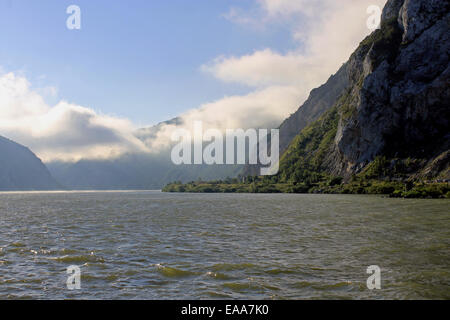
[288, 7]
[260, 68]
[327, 32]
[265, 108]
[64, 131]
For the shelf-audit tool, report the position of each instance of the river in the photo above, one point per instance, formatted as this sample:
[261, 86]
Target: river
[153, 245]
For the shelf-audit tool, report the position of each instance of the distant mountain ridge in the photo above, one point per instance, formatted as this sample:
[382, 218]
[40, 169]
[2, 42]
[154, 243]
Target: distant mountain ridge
[136, 171]
[133, 171]
[21, 170]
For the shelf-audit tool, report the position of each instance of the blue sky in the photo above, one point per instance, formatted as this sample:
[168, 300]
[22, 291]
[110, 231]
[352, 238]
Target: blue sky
[136, 59]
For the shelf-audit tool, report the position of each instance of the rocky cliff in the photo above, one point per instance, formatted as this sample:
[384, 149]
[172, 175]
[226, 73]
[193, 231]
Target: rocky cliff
[400, 103]
[394, 103]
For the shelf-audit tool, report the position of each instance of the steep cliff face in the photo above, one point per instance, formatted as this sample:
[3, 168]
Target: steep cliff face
[396, 104]
[401, 107]
[20, 169]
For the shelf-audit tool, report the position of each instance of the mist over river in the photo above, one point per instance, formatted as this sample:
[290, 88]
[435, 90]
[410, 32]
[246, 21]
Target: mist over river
[153, 245]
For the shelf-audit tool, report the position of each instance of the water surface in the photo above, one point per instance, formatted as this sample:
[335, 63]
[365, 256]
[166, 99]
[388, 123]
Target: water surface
[151, 245]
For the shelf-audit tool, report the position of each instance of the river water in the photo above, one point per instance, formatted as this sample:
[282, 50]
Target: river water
[152, 245]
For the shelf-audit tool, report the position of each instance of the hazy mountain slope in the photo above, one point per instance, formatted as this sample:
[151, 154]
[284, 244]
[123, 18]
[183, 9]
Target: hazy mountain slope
[134, 171]
[126, 172]
[319, 101]
[20, 169]
[396, 107]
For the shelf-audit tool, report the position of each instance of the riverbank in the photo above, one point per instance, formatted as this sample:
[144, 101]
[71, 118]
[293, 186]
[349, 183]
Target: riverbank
[392, 189]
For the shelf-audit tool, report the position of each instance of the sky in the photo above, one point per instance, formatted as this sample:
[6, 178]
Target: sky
[71, 94]
[138, 59]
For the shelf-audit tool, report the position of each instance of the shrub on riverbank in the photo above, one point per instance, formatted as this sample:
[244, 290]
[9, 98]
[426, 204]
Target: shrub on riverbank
[330, 186]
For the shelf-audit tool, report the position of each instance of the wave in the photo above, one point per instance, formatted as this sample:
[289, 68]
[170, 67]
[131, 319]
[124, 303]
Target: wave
[78, 259]
[218, 275]
[232, 266]
[171, 272]
[281, 271]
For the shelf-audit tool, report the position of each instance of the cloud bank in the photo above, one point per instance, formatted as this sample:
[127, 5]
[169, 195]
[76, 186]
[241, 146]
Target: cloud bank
[65, 131]
[325, 33]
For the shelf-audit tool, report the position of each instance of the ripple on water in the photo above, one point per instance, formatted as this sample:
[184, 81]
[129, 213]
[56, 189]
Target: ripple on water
[333, 286]
[249, 286]
[171, 272]
[242, 286]
[277, 271]
[218, 275]
[232, 266]
[17, 244]
[218, 295]
[78, 259]
[88, 277]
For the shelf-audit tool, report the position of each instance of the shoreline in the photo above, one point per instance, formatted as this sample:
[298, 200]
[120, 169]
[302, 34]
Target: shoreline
[374, 187]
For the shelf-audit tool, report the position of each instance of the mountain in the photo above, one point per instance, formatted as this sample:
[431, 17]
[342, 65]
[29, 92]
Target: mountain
[20, 169]
[397, 104]
[393, 95]
[136, 171]
[381, 123]
[151, 133]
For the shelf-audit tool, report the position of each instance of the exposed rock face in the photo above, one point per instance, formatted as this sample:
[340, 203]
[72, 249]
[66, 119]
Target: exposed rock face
[401, 89]
[416, 16]
[20, 169]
